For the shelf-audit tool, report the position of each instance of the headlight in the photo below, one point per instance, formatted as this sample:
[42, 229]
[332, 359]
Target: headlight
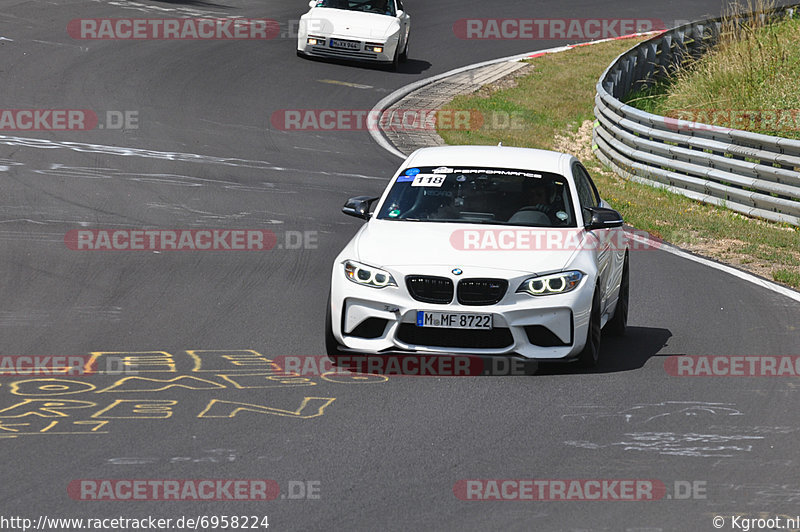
[367, 275]
[557, 283]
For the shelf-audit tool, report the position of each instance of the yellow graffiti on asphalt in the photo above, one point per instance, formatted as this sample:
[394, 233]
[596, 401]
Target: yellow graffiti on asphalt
[314, 406]
[60, 406]
[206, 360]
[134, 361]
[144, 384]
[49, 387]
[137, 409]
[246, 381]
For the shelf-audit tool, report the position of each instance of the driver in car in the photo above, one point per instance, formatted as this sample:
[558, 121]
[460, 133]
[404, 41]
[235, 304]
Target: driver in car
[381, 5]
[537, 204]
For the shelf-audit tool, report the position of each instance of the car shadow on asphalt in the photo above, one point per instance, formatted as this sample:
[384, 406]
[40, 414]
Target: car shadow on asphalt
[624, 353]
[617, 354]
[411, 66]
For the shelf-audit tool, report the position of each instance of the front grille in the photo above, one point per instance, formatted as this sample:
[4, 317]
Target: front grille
[335, 52]
[481, 291]
[438, 290]
[369, 328]
[454, 338]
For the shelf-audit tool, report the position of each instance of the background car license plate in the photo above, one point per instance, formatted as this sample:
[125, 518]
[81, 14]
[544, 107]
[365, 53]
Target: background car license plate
[347, 45]
[452, 320]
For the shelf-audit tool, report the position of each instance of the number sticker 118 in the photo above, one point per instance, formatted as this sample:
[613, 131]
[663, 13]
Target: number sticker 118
[428, 180]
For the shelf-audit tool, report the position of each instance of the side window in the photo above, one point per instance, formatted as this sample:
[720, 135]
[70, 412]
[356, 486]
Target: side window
[587, 194]
[594, 188]
[400, 5]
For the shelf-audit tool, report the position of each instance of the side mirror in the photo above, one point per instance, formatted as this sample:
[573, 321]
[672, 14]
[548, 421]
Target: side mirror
[359, 206]
[312, 3]
[400, 13]
[602, 218]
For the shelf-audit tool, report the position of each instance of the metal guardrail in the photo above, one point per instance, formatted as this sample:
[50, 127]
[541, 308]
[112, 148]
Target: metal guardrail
[757, 175]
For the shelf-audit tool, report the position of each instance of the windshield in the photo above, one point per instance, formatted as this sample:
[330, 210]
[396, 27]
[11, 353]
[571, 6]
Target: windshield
[382, 7]
[480, 195]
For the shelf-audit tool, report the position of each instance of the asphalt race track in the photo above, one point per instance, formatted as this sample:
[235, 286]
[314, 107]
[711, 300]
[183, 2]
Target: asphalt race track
[347, 454]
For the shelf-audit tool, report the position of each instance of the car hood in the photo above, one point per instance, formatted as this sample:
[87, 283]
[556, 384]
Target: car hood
[343, 23]
[395, 244]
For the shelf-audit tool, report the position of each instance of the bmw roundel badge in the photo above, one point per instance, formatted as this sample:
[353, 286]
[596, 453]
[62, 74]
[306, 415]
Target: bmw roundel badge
[457, 271]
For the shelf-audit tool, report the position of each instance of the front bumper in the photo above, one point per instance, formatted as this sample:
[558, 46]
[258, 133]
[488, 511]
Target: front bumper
[324, 49]
[554, 327]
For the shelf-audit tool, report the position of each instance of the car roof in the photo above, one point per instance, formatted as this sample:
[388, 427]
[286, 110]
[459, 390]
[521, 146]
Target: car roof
[489, 156]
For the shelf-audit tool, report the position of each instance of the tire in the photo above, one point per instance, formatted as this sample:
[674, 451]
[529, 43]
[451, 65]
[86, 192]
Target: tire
[395, 62]
[404, 55]
[332, 347]
[619, 323]
[590, 356]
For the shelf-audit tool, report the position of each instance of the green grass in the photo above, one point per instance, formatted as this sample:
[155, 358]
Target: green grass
[750, 81]
[790, 277]
[557, 99]
[548, 100]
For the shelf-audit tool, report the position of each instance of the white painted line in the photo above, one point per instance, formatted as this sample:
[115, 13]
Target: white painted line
[146, 8]
[84, 147]
[345, 84]
[745, 276]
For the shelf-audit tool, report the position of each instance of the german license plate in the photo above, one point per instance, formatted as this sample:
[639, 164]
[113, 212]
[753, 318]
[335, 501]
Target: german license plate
[454, 320]
[345, 45]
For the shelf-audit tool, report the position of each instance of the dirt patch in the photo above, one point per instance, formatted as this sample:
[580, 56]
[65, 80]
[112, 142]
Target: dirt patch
[578, 143]
[725, 250]
[506, 82]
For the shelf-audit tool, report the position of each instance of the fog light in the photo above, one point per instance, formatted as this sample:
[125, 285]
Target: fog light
[313, 42]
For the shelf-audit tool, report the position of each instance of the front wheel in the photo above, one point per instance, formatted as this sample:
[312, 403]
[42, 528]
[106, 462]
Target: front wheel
[404, 55]
[590, 355]
[617, 325]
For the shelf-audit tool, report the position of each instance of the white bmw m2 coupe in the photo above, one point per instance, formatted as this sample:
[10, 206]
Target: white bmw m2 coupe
[360, 30]
[482, 250]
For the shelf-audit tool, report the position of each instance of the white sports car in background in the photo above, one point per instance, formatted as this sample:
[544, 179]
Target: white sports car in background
[482, 250]
[362, 30]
